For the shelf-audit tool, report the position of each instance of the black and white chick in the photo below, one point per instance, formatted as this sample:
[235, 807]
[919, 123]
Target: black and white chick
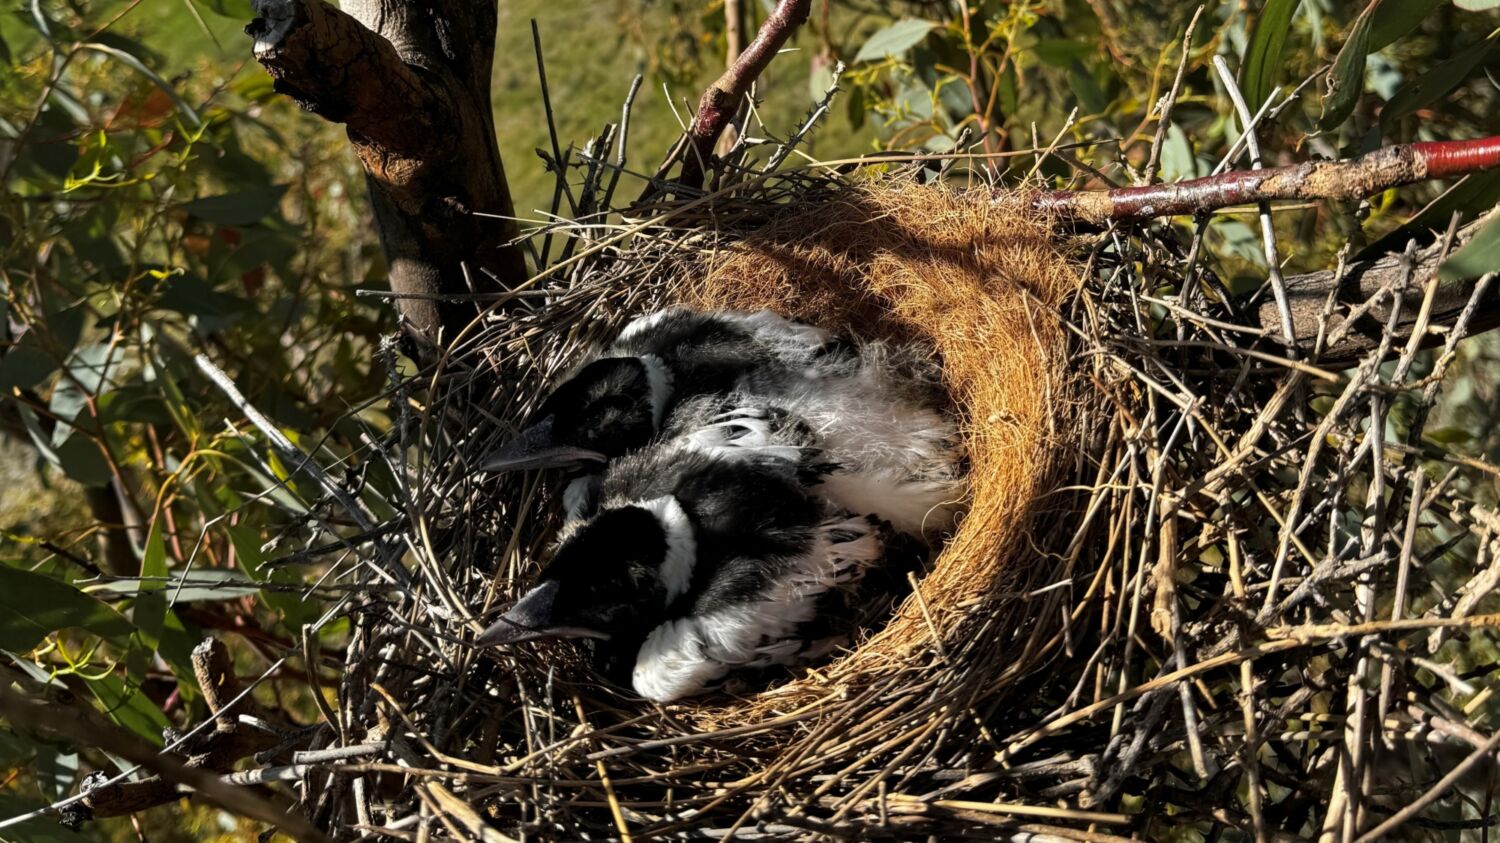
[869, 433]
[619, 399]
[695, 566]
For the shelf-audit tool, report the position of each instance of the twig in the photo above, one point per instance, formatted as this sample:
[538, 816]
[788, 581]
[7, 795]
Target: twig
[1354, 178]
[719, 103]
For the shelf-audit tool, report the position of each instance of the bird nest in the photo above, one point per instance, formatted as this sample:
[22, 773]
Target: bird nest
[1180, 543]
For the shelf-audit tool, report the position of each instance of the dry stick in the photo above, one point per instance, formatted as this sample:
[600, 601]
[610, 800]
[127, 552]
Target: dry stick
[296, 459]
[1281, 639]
[1169, 101]
[719, 103]
[1352, 178]
[1395, 820]
[1251, 744]
[84, 728]
[1267, 229]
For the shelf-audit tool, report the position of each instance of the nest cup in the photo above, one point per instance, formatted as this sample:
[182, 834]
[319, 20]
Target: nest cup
[980, 283]
[977, 277]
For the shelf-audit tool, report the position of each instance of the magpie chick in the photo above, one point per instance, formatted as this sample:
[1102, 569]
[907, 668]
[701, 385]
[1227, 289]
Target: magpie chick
[868, 436]
[696, 566]
[619, 399]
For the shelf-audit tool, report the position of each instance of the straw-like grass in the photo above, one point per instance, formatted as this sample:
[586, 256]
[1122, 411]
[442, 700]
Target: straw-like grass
[1189, 590]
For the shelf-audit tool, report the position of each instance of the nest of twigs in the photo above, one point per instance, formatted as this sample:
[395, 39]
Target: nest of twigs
[1190, 588]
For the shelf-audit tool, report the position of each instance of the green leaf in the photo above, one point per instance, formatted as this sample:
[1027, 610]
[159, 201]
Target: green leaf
[150, 610]
[25, 365]
[1479, 256]
[1086, 88]
[1393, 20]
[295, 611]
[242, 207]
[237, 9]
[895, 39]
[1434, 84]
[1472, 195]
[81, 460]
[1178, 161]
[1062, 52]
[1346, 81]
[1263, 51]
[140, 67]
[124, 703]
[32, 606]
[1477, 5]
[56, 772]
[819, 81]
[206, 585]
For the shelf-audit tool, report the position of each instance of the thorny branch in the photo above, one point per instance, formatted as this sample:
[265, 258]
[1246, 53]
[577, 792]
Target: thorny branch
[1362, 282]
[209, 755]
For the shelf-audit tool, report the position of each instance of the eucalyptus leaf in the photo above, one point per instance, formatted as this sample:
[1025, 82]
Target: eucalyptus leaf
[56, 771]
[206, 585]
[895, 39]
[1434, 84]
[32, 606]
[1479, 256]
[140, 67]
[1396, 18]
[1178, 162]
[1346, 81]
[237, 9]
[242, 207]
[79, 458]
[1477, 5]
[295, 611]
[1472, 195]
[150, 610]
[124, 703]
[1263, 51]
[25, 365]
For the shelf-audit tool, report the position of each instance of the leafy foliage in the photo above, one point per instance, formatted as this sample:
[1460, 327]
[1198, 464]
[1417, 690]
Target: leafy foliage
[159, 202]
[146, 218]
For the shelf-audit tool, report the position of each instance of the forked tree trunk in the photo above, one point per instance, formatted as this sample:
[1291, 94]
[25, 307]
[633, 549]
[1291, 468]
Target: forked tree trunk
[411, 81]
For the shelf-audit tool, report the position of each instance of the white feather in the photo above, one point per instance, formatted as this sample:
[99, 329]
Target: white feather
[789, 341]
[661, 387]
[682, 548]
[685, 655]
[646, 322]
[897, 457]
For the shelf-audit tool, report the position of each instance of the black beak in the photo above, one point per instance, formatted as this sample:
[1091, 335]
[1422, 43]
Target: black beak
[531, 619]
[534, 448]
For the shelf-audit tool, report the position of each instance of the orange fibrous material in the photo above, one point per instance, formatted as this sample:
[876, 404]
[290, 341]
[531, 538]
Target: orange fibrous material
[981, 283]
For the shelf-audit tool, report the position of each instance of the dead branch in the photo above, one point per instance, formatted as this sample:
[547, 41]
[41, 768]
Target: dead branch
[718, 104]
[210, 754]
[1355, 178]
[412, 84]
[1308, 295]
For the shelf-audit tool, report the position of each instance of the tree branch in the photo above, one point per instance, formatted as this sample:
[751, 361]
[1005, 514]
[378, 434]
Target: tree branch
[1307, 295]
[411, 81]
[718, 104]
[1355, 178]
[210, 755]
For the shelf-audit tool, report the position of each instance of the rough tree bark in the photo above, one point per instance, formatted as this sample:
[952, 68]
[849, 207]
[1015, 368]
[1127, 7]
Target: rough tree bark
[411, 81]
[1364, 280]
[1352, 178]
